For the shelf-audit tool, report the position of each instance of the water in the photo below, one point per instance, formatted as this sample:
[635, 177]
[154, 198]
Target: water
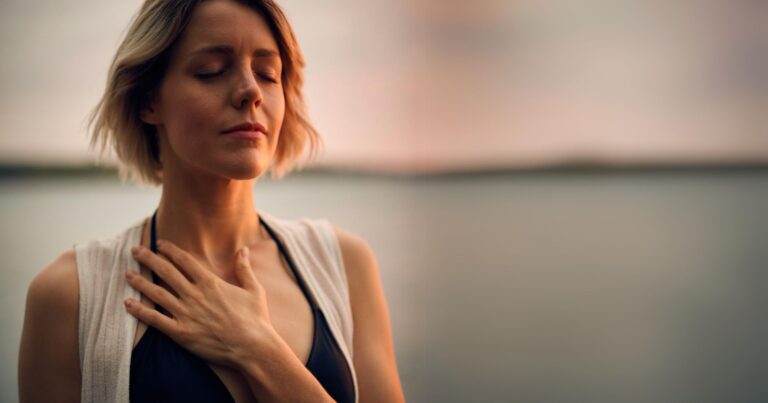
[555, 287]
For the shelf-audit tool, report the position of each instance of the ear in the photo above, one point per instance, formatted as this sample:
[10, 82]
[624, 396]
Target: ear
[149, 113]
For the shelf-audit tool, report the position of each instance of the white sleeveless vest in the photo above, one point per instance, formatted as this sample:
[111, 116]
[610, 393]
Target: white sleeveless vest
[106, 329]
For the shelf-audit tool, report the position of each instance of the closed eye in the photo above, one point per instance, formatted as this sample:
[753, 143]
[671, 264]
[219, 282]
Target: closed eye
[213, 74]
[268, 78]
[209, 75]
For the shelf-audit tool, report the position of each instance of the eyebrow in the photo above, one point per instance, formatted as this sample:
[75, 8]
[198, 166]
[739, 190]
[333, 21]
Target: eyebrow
[228, 50]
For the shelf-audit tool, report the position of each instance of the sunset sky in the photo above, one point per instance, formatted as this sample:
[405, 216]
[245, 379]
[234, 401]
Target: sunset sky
[431, 85]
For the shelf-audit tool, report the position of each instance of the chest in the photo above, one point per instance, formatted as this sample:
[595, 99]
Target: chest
[289, 310]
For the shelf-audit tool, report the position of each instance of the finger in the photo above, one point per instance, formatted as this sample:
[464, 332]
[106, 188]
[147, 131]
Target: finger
[163, 268]
[155, 293]
[183, 260]
[151, 317]
[243, 269]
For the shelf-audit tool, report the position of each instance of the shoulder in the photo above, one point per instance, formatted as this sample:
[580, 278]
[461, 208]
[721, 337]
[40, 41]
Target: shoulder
[335, 244]
[360, 267]
[374, 356]
[49, 366]
[359, 259]
[53, 296]
[314, 236]
[55, 290]
[110, 247]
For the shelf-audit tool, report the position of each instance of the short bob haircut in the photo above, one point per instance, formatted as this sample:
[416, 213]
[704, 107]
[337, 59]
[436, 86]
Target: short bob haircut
[139, 67]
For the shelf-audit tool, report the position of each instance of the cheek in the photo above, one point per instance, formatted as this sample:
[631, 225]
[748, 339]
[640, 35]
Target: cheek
[277, 113]
[190, 117]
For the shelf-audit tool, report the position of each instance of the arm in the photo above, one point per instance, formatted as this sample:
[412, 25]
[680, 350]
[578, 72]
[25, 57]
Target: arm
[275, 374]
[374, 356]
[49, 359]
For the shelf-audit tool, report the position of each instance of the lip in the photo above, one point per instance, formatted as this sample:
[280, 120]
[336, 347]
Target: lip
[247, 130]
[244, 134]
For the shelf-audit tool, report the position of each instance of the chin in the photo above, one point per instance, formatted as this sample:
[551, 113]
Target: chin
[246, 171]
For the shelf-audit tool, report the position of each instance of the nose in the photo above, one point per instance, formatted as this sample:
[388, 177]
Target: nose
[247, 91]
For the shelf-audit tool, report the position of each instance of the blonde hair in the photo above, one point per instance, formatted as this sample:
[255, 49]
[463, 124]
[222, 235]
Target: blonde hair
[139, 66]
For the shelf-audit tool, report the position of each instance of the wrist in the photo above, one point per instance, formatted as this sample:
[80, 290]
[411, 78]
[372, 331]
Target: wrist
[258, 349]
[274, 373]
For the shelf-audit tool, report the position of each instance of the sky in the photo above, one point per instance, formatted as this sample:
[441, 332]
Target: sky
[435, 85]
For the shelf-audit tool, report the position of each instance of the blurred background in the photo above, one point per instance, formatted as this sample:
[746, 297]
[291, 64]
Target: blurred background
[566, 198]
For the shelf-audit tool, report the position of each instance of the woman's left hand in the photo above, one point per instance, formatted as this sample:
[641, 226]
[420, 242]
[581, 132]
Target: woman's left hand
[215, 320]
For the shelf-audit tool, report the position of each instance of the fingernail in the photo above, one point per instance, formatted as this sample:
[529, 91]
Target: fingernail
[129, 275]
[135, 250]
[128, 303]
[160, 242]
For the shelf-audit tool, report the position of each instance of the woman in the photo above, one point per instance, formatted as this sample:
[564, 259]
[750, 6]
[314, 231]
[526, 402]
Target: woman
[203, 98]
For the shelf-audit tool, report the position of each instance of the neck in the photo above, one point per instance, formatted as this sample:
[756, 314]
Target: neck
[210, 219]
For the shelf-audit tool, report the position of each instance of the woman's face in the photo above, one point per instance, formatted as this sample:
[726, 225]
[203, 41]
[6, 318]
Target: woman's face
[224, 72]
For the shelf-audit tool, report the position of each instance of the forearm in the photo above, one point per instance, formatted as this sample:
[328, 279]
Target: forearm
[275, 374]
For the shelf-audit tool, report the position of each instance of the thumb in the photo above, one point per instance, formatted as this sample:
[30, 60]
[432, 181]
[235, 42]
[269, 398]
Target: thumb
[243, 269]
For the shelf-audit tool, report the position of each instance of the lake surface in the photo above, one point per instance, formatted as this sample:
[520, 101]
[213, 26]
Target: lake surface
[534, 287]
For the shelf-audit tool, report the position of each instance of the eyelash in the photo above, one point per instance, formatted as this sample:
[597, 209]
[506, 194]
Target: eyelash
[214, 74]
[207, 76]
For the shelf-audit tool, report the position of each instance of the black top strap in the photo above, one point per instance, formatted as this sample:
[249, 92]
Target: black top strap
[153, 248]
[290, 262]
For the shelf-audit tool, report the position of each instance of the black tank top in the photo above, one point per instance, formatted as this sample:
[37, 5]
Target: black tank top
[163, 371]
